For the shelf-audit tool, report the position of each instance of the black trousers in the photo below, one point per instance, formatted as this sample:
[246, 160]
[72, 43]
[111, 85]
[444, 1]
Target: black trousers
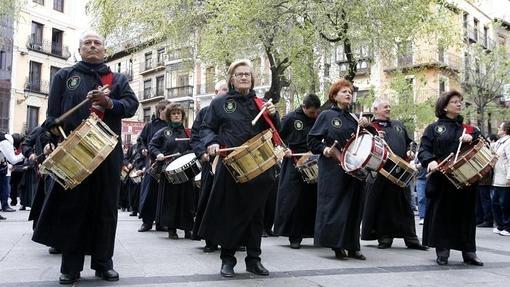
[409, 241]
[445, 252]
[253, 238]
[72, 262]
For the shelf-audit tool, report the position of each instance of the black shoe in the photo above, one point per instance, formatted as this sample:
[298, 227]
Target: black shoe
[14, 203]
[474, 260]
[264, 234]
[227, 270]
[2, 218]
[485, 224]
[8, 209]
[383, 245]
[23, 207]
[108, 275]
[161, 228]
[257, 268]
[210, 248]
[356, 255]
[441, 260]
[241, 248]
[187, 234]
[340, 254]
[270, 233]
[134, 213]
[145, 227]
[53, 250]
[172, 234]
[295, 245]
[417, 247]
[66, 279]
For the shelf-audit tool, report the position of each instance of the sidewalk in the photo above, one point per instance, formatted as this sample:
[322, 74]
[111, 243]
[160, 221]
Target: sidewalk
[151, 259]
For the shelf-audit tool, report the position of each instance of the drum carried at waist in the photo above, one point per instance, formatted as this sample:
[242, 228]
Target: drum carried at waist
[308, 167]
[363, 154]
[183, 169]
[136, 176]
[397, 170]
[80, 153]
[474, 162]
[257, 156]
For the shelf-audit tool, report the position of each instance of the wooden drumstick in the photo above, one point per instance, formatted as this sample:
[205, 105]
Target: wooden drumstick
[182, 139]
[357, 133]
[60, 119]
[260, 113]
[460, 144]
[172, 155]
[231, 148]
[439, 165]
[301, 154]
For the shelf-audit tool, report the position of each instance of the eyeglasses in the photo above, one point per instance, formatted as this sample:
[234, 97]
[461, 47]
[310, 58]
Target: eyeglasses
[242, 75]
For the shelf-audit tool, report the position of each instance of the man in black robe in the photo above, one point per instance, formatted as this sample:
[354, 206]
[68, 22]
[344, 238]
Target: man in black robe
[83, 220]
[234, 212]
[297, 200]
[387, 212]
[149, 187]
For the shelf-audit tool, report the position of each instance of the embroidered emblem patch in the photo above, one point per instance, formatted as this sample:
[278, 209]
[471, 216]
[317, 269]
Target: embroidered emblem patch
[168, 133]
[336, 123]
[298, 125]
[73, 82]
[440, 129]
[230, 106]
[398, 129]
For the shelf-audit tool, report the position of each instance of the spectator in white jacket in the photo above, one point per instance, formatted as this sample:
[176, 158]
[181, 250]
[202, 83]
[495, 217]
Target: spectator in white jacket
[7, 155]
[501, 182]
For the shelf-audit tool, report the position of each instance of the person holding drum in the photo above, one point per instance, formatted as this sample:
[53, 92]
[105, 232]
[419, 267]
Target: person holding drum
[207, 176]
[387, 213]
[450, 221]
[339, 195]
[176, 204]
[83, 220]
[135, 162]
[296, 200]
[149, 186]
[234, 212]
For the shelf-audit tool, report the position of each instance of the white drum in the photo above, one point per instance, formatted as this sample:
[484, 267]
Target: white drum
[198, 179]
[363, 154]
[183, 169]
[136, 176]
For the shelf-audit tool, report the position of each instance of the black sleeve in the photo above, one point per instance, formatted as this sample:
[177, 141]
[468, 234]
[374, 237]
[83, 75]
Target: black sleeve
[426, 152]
[317, 134]
[126, 104]
[196, 142]
[285, 129]
[210, 126]
[157, 142]
[142, 138]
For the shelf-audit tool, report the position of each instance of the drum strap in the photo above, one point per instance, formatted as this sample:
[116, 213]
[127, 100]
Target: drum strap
[187, 132]
[469, 129]
[106, 79]
[277, 140]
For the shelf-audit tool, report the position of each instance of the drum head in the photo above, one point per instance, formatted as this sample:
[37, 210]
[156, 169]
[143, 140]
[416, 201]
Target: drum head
[198, 177]
[180, 161]
[357, 152]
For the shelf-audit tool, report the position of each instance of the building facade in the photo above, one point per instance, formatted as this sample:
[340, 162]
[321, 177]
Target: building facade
[6, 45]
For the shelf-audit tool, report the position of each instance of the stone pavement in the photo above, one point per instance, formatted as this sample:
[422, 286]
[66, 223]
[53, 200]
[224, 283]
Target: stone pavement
[150, 259]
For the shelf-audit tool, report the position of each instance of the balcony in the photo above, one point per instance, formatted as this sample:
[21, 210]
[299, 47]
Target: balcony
[476, 35]
[149, 95]
[184, 91]
[147, 67]
[431, 58]
[48, 48]
[37, 86]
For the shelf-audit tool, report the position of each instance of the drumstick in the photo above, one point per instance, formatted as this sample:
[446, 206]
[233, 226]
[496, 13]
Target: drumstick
[300, 154]
[182, 139]
[443, 162]
[172, 155]
[60, 119]
[460, 144]
[357, 133]
[231, 148]
[260, 113]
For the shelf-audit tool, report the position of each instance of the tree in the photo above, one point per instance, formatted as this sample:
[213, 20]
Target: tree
[484, 77]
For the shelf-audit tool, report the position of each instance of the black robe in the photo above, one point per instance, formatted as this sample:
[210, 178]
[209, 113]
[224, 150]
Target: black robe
[296, 203]
[84, 219]
[339, 195]
[234, 212]
[450, 220]
[176, 200]
[387, 212]
[149, 186]
[137, 160]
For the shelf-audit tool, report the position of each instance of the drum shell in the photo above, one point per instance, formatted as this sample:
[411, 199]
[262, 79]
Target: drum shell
[185, 173]
[308, 167]
[397, 170]
[374, 161]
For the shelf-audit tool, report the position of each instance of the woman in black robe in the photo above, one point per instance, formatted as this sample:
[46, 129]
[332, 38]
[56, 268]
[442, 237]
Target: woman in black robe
[339, 195]
[176, 205]
[450, 221]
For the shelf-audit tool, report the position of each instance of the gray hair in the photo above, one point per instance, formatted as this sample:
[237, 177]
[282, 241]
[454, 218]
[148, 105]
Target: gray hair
[378, 101]
[87, 33]
[218, 85]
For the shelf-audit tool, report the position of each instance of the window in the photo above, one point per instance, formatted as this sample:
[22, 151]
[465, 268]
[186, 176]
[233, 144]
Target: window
[118, 67]
[404, 53]
[160, 86]
[39, 2]
[466, 66]
[485, 36]
[36, 37]
[442, 86]
[146, 115]
[209, 80]
[3, 60]
[147, 86]
[161, 57]
[327, 67]
[32, 118]
[58, 5]
[182, 80]
[148, 61]
[475, 29]
[53, 71]
[34, 78]
[440, 54]
[56, 42]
